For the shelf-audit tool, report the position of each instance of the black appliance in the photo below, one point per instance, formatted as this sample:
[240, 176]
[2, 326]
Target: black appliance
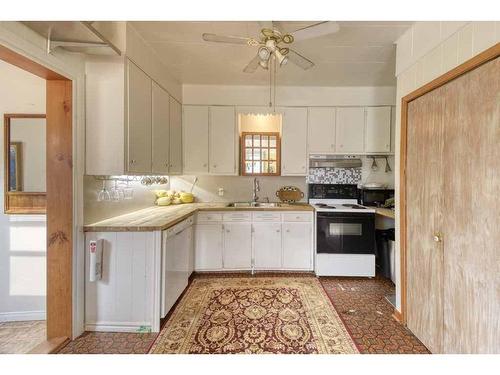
[375, 197]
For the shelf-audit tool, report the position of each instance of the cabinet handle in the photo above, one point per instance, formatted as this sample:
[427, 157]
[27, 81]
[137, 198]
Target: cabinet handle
[277, 230]
[288, 230]
[215, 165]
[227, 231]
[204, 165]
[132, 161]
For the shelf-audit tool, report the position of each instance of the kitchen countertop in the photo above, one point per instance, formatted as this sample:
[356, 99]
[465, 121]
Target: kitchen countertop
[387, 212]
[163, 217]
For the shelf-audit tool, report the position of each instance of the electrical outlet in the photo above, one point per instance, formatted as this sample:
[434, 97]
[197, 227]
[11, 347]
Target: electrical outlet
[221, 192]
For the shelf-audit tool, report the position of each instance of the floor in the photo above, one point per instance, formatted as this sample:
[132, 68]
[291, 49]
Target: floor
[21, 337]
[360, 302]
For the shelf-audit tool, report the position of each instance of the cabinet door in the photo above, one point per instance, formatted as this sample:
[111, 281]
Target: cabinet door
[321, 130]
[297, 248]
[160, 129]
[237, 246]
[267, 246]
[349, 128]
[222, 141]
[195, 139]
[175, 166]
[139, 120]
[293, 142]
[208, 247]
[378, 129]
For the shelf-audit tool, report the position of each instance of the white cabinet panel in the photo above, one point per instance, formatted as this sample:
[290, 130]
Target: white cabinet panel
[175, 157]
[267, 246]
[160, 130]
[237, 246]
[195, 139]
[222, 148]
[349, 125]
[378, 129]
[139, 120]
[297, 246]
[294, 142]
[208, 247]
[321, 130]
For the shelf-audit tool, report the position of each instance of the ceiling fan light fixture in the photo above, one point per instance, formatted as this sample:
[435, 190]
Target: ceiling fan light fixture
[264, 53]
[282, 60]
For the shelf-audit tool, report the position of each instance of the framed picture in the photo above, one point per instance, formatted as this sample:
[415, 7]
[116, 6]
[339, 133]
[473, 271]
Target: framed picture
[16, 166]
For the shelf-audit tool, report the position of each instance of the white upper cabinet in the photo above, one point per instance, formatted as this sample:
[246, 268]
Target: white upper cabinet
[195, 139]
[175, 157]
[294, 142]
[222, 147]
[139, 120]
[378, 129]
[160, 136]
[321, 130]
[350, 124]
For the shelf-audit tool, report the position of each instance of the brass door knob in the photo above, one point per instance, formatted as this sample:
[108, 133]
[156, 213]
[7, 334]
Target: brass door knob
[437, 237]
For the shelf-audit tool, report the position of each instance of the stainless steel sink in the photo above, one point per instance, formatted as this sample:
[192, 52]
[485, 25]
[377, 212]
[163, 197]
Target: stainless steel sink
[254, 204]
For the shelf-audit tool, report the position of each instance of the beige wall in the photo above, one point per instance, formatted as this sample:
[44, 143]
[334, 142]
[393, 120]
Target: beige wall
[424, 52]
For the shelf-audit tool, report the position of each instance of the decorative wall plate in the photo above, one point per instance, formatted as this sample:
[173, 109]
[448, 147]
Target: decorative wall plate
[289, 194]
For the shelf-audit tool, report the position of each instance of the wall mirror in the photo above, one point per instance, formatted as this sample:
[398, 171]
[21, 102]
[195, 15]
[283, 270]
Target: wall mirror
[25, 165]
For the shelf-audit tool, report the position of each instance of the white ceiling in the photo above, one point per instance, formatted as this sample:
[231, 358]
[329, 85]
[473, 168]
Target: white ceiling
[359, 54]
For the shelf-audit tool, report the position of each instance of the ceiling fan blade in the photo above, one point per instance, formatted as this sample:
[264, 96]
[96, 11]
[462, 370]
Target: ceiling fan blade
[252, 65]
[299, 60]
[228, 39]
[316, 30]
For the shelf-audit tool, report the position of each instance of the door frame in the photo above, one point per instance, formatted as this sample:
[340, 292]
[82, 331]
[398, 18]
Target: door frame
[60, 198]
[478, 60]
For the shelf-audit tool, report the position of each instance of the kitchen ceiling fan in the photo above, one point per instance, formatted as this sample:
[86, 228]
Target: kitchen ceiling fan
[274, 43]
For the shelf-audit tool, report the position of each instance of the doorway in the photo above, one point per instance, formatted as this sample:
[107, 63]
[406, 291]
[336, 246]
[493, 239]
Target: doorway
[59, 199]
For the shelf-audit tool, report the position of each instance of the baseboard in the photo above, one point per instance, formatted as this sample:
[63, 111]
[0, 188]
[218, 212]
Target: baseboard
[397, 316]
[110, 327]
[50, 346]
[22, 316]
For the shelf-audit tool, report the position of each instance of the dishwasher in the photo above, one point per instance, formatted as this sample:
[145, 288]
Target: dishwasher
[176, 262]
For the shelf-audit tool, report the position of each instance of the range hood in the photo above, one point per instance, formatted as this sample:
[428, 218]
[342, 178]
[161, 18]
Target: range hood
[334, 161]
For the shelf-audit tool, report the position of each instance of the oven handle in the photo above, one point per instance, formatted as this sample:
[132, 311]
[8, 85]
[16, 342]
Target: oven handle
[339, 215]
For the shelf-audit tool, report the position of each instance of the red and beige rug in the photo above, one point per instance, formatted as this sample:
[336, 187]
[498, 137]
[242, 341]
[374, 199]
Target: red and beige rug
[254, 315]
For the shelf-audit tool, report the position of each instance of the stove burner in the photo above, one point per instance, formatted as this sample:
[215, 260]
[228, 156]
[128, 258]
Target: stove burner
[354, 206]
[324, 205]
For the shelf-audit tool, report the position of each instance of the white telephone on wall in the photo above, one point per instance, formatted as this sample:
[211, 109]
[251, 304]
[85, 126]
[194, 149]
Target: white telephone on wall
[95, 260]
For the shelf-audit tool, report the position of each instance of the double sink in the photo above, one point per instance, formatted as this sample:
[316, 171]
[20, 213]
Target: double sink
[256, 204]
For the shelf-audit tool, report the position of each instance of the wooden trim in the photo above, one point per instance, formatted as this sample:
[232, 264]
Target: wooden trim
[278, 153]
[19, 202]
[51, 346]
[31, 66]
[478, 60]
[397, 316]
[59, 209]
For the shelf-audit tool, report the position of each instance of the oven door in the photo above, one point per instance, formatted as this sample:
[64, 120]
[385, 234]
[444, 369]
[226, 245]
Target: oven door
[345, 233]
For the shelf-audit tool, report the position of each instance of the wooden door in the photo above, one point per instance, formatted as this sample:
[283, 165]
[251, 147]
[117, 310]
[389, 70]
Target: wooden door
[222, 150]
[297, 246]
[425, 218]
[195, 139]
[208, 247]
[237, 246]
[139, 120]
[378, 129]
[160, 130]
[349, 127]
[321, 130]
[294, 142]
[471, 198]
[175, 156]
[267, 246]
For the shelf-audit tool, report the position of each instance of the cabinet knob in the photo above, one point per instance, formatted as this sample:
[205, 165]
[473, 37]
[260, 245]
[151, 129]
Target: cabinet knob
[167, 165]
[215, 165]
[288, 230]
[204, 165]
[228, 231]
[132, 161]
[277, 230]
[341, 146]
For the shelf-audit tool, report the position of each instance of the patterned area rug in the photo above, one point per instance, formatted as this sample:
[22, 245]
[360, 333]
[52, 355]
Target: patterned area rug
[255, 315]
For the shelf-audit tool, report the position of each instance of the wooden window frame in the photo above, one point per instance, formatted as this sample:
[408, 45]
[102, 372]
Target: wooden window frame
[278, 153]
[20, 202]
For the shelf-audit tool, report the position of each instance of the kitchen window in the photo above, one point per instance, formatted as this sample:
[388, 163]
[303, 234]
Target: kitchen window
[260, 154]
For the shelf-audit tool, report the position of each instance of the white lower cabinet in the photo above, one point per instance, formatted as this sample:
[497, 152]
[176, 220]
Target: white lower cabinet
[208, 247]
[297, 238]
[237, 253]
[267, 250]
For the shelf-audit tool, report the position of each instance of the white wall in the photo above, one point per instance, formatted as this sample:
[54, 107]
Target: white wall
[424, 52]
[22, 238]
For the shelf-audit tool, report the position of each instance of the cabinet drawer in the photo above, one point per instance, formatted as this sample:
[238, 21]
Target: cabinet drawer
[266, 216]
[204, 217]
[297, 216]
[237, 216]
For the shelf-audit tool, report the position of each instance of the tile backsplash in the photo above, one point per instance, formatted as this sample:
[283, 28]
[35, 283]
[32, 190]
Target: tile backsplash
[334, 176]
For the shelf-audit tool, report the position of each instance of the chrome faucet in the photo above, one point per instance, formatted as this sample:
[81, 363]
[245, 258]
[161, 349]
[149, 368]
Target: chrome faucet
[256, 188]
